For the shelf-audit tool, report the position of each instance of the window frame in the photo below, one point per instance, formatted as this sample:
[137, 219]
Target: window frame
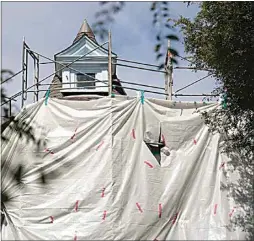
[85, 76]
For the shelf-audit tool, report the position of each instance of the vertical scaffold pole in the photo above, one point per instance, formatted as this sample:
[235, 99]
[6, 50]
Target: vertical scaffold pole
[166, 79]
[109, 64]
[170, 77]
[10, 108]
[38, 74]
[36, 78]
[23, 73]
[169, 74]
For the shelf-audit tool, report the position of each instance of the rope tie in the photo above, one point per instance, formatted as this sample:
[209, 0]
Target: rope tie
[142, 97]
[47, 96]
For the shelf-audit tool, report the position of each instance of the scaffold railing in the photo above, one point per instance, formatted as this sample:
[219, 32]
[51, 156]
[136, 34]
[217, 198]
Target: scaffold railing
[28, 52]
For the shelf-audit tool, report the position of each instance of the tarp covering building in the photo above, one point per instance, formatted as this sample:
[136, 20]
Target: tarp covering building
[105, 182]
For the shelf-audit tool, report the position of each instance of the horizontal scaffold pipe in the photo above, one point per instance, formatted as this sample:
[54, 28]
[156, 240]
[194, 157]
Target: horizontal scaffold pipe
[166, 94]
[135, 62]
[196, 95]
[193, 83]
[69, 83]
[76, 88]
[83, 88]
[157, 66]
[135, 67]
[150, 86]
[105, 81]
[10, 98]
[193, 68]
[150, 65]
[149, 91]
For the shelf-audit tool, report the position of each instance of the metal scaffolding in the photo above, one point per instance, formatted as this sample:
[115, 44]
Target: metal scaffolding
[25, 54]
[28, 52]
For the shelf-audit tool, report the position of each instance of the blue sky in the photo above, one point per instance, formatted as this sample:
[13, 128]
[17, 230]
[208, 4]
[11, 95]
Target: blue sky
[50, 27]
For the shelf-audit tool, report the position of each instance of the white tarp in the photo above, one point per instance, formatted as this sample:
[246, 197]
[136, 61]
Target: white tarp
[104, 183]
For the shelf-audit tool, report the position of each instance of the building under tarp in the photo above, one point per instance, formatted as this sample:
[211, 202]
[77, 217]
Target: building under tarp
[118, 169]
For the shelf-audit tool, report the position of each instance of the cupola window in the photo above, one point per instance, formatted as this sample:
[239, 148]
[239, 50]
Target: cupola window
[86, 81]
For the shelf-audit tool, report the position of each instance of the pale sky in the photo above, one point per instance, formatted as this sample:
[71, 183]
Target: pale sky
[50, 27]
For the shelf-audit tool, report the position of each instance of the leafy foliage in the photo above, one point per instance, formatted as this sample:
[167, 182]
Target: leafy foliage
[105, 17]
[5, 74]
[23, 129]
[160, 21]
[220, 38]
[160, 11]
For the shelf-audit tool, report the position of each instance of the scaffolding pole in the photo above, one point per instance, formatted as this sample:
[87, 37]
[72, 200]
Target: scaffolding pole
[168, 74]
[24, 66]
[10, 108]
[26, 72]
[36, 78]
[25, 54]
[109, 64]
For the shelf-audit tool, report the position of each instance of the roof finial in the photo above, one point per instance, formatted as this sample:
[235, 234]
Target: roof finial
[85, 29]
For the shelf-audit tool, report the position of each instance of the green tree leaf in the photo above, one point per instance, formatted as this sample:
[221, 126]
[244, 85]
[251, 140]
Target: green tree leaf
[157, 47]
[172, 37]
[173, 52]
[153, 6]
